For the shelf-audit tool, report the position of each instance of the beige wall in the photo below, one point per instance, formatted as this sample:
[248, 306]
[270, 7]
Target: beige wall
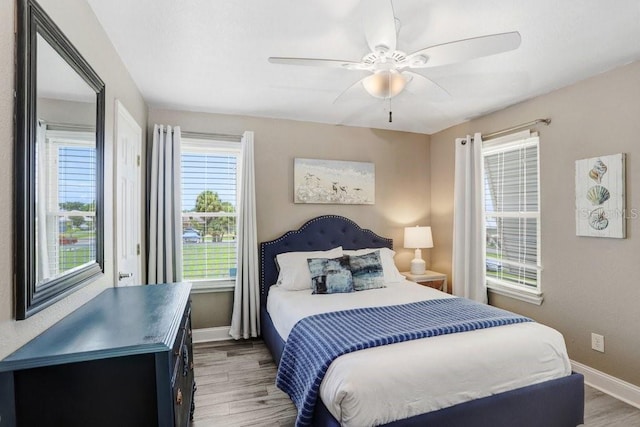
[211, 309]
[589, 284]
[401, 162]
[68, 112]
[7, 10]
[77, 21]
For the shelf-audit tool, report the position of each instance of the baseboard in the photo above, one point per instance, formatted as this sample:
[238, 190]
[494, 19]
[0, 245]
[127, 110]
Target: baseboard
[606, 383]
[211, 334]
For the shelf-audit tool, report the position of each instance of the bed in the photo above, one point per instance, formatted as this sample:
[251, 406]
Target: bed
[554, 401]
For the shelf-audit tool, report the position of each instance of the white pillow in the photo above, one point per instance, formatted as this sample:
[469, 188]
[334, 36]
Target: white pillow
[389, 269]
[294, 269]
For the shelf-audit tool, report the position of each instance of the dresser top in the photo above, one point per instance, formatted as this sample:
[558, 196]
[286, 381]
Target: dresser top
[118, 322]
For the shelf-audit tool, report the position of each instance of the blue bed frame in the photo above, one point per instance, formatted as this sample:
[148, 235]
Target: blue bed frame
[554, 403]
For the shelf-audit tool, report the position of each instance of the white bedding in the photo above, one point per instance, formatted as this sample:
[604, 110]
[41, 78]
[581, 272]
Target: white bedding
[387, 383]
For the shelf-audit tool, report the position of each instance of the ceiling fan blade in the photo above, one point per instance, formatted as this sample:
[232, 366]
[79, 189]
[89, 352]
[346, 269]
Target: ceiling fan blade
[463, 50]
[351, 91]
[314, 62]
[421, 85]
[479, 85]
[379, 24]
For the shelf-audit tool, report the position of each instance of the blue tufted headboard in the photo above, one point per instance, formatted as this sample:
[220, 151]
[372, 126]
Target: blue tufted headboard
[319, 234]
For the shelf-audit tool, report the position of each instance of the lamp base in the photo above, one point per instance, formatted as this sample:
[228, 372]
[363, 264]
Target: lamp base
[418, 266]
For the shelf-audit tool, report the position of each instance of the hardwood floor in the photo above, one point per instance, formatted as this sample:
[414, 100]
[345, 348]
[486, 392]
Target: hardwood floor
[236, 388]
[603, 410]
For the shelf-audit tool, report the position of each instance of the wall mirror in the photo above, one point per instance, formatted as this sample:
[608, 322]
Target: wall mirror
[59, 147]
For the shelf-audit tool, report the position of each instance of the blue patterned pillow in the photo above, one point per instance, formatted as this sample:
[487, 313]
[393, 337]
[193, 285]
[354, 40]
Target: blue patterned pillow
[330, 275]
[366, 271]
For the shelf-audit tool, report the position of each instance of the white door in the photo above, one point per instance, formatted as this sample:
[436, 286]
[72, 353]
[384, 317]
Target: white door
[128, 199]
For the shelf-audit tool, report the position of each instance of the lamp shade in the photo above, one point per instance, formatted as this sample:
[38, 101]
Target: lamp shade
[384, 84]
[418, 237]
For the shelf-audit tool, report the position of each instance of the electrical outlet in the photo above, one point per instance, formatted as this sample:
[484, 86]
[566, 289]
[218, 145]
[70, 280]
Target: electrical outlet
[597, 342]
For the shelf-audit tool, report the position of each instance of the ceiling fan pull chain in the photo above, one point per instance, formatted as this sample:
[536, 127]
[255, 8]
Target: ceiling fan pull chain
[390, 117]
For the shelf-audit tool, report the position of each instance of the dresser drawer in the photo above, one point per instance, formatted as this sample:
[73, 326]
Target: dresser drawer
[183, 336]
[182, 382]
[183, 389]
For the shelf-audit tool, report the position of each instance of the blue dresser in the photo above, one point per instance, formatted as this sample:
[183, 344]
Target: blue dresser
[122, 359]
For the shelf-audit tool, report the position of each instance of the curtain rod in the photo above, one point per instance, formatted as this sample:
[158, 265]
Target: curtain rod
[212, 136]
[209, 136]
[518, 127]
[66, 126]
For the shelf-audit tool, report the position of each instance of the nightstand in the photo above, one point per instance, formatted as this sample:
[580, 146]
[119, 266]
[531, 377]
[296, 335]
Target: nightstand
[433, 279]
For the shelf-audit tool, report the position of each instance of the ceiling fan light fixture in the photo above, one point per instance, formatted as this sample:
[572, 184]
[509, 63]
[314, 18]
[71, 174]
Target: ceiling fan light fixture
[384, 84]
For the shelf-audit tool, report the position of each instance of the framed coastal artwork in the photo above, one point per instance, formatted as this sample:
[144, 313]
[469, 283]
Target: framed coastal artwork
[600, 197]
[333, 181]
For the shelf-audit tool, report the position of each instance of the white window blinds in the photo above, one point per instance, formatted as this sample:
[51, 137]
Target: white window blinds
[69, 201]
[209, 209]
[512, 212]
[77, 202]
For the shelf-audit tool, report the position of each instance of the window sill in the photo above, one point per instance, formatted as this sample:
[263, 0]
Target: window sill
[531, 298]
[211, 287]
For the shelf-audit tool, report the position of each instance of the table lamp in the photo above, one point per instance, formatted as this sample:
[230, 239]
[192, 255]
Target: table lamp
[417, 238]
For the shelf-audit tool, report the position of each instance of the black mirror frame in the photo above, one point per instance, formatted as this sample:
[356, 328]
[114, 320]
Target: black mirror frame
[32, 20]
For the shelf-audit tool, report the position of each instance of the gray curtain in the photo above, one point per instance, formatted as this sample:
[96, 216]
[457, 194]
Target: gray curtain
[468, 209]
[164, 207]
[245, 320]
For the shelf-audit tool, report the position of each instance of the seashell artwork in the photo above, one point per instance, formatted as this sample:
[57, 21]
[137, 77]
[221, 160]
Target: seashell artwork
[597, 171]
[598, 219]
[597, 195]
[600, 196]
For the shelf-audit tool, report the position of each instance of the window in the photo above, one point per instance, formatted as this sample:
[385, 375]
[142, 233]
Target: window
[512, 216]
[209, 208]
[66, 216]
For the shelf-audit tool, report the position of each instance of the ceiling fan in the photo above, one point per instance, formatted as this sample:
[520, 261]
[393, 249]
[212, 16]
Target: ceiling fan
[389, 67]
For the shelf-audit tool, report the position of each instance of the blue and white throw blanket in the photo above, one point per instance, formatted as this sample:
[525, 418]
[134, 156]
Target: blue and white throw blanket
[315, 341]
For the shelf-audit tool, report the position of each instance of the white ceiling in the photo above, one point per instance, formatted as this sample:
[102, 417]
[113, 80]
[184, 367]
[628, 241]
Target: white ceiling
[211, 55]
